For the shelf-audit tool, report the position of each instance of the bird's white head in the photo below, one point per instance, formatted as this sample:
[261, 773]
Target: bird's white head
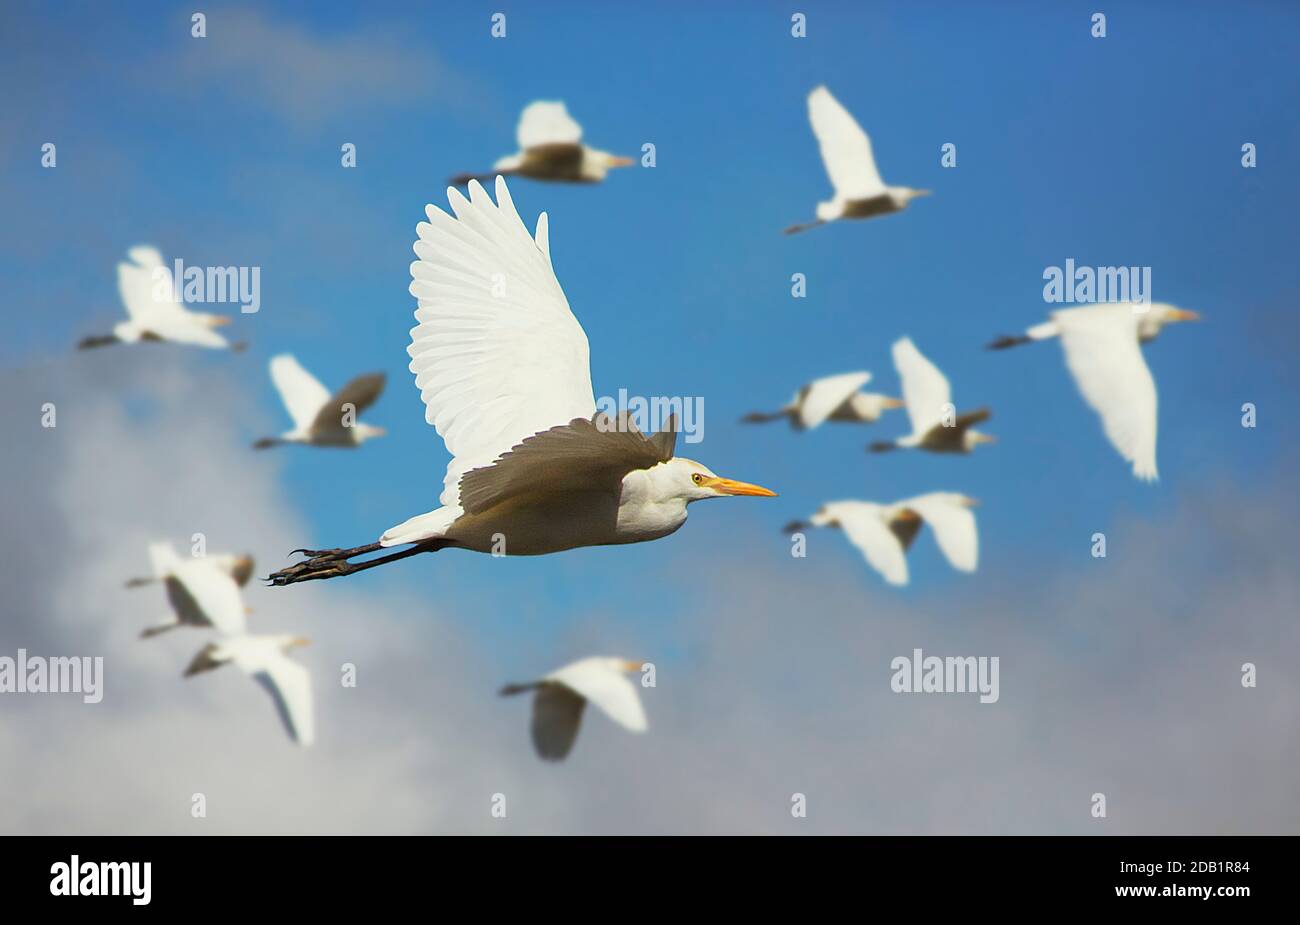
[905, 194]
[596, 164]
[973, 438]
[691, 481]
[207, 319]
[1159, 314]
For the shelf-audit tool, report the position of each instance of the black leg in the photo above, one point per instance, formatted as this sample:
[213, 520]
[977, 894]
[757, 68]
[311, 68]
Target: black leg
[331, 563]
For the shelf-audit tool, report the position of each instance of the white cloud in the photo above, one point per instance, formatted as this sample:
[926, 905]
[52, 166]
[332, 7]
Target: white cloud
[302, 75]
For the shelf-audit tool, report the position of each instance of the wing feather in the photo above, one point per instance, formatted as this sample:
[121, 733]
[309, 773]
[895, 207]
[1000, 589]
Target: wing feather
[304, 395]
[864, 525]
[547, 122]
[202, 594]
[497, 354]
[845, 148]
[826, 394]
[1105, 358]
[289, 685]
[583, 455]
[926, 391]
[604, 682]
[953, 524]
[361, 393]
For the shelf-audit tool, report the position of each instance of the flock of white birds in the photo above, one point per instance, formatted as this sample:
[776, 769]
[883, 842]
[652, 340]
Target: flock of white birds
[504, 374]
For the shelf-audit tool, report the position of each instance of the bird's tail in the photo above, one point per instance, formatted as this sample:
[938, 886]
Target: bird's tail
[87, 343]
[1008, 340]
[762, 417]
[795, 229]
[882, 446]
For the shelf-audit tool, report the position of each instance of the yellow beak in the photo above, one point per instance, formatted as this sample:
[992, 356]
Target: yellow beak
[732, 487]
[1184, 315]
[622, 161]
[219, 321]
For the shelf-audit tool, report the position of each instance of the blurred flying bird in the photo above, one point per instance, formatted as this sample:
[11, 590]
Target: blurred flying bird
[1102, 345]
[560, 697]
[831, 398]
[321, 419]
[203, 592]
[884, 532]
[551, 148]
[146, 287]
[936, 425]
[265, 659]
[846, 151]
[502, 366]
[162, 557]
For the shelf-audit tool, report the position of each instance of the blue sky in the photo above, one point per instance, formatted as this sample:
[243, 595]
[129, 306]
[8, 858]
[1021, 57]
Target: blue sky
[1122, 150]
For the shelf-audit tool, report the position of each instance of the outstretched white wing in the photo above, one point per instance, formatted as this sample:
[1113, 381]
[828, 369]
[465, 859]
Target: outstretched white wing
[163, 558]
[497, 354]
[143, 278]
[827, 394]
[846, 149]
[289, 685]
[925, 390]
[863, 523]
[953, 524]
[1104, 356]
[203, 594]
[302, 393]
[605, 683]
[547, 123]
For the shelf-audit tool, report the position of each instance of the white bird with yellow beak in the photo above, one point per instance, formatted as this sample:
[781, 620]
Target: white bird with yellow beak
[936, 425]
[266, 660]
[1103, 350]
[560, 698]
[831, 398]
[851, 165]
[322, 418]
[503, 368]
[883, 533]
[551, 148]
[153, 314]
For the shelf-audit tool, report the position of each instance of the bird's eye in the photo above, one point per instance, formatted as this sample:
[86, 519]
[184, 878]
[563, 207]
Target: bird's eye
[697, 479]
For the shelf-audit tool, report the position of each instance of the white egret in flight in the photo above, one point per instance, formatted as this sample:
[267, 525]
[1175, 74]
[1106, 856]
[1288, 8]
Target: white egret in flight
[884, 532]
[203, 591]
[319, 418]
[1103, 351]
[560, 697]
[551, 148]
[162, 557]
[146, 287]
[831, 398]
[265, 659]
[502, 366]
[846, 151]
[936, 425]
